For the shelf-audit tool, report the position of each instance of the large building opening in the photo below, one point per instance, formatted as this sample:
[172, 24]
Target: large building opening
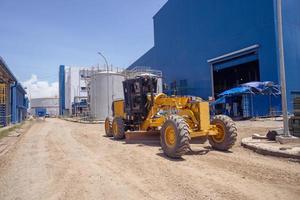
[229, 77]
[234, 68]
[231, 70]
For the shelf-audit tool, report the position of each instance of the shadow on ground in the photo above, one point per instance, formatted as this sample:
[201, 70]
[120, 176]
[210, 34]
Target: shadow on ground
[203, 150]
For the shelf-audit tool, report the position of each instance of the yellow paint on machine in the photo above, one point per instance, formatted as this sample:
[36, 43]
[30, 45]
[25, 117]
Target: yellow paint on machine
[118, 108]
[196, 114]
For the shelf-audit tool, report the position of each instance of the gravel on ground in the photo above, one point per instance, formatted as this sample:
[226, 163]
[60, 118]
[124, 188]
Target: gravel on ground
[57, 159]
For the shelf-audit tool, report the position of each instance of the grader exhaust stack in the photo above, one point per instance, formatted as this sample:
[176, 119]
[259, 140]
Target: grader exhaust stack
[177, 118]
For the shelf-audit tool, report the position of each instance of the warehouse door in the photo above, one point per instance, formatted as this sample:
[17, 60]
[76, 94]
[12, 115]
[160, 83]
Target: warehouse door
[232, 76]
[234, 68]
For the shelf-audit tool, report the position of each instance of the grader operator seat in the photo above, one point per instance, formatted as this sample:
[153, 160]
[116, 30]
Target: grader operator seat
[136, 103]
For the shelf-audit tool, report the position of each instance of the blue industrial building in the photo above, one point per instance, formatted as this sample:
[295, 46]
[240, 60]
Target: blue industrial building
[13, 100]
[19, 103]
[204, 47]
[6, 79]
[61, 89]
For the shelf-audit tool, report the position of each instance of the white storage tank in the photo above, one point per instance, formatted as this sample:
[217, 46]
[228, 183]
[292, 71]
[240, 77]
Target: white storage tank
[159, 85]
[105, 87]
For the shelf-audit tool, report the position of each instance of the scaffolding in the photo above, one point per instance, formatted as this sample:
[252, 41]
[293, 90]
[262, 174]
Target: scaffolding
[141, 70]
[3, 106]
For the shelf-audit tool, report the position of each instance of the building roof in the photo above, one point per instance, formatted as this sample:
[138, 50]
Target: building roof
[19, 85]
[161, 9]
[6, 69]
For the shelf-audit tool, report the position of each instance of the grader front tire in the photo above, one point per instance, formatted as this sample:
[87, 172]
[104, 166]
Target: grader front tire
[108, 127]
[227, 133]
[175, 137]
[118, 128]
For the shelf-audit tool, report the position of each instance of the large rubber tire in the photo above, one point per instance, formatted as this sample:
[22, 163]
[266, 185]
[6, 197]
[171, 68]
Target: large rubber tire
[228, 139]
[108, 126]
[181, 144]
[118, 128]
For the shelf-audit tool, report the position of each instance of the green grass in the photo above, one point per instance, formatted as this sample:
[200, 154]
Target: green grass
[5, 131]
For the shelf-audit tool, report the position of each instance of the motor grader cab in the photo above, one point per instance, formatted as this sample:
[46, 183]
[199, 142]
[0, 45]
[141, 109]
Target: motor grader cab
[177, 118]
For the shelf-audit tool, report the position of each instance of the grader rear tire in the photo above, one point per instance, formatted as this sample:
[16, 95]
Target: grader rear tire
[118, 128]
[108, 126]
[175, 137]
[227, 133]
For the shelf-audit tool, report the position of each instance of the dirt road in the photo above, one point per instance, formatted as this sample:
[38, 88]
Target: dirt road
[56, 159]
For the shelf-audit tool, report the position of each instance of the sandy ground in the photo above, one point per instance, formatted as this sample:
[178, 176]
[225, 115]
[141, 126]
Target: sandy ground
[57, 159]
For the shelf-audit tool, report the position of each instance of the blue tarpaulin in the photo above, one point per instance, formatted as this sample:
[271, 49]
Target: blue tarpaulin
[249, 100]
[266, 88]
[220, 100]
[236, 91]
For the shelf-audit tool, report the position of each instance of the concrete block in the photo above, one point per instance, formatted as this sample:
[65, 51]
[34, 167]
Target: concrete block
[272, 148]
[288, 140]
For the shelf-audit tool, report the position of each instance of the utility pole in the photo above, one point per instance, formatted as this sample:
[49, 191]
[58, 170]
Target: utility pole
[107, 79]
[282, 69]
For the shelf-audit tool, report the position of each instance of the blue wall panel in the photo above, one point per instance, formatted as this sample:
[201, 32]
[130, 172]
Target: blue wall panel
[189, 32]
[263, 104]
[291, 34]
[148, 59]
[18, 103]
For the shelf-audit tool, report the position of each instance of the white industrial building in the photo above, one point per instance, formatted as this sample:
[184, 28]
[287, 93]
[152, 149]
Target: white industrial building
[90, 91]
[49, 106]
[75, 88]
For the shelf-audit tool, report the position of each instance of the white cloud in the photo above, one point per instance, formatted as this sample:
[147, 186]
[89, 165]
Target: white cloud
[38, 89]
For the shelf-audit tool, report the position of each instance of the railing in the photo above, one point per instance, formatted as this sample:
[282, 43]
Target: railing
[139, 70]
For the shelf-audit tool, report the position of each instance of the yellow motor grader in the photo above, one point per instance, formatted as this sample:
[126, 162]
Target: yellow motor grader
[177, 118]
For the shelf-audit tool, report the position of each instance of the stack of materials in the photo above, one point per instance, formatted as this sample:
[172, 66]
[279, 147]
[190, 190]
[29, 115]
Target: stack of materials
[253, 99]
[3, 110]
[294, 121]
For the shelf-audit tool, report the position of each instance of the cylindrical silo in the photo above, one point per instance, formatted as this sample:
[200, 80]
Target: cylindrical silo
[105, 87]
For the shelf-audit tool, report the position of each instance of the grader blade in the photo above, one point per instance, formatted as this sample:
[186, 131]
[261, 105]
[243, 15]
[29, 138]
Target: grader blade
[142, 137]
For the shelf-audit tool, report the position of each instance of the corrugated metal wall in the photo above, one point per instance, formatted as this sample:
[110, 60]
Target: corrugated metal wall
[291, 32]
[188, 33]
[18, 103]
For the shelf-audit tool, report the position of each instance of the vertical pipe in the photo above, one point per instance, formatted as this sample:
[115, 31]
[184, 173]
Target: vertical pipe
[252, 109]
[212, 81]
[282, 68]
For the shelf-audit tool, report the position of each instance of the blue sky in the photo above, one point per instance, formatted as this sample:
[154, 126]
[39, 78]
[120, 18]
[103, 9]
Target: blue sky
[36, 36]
